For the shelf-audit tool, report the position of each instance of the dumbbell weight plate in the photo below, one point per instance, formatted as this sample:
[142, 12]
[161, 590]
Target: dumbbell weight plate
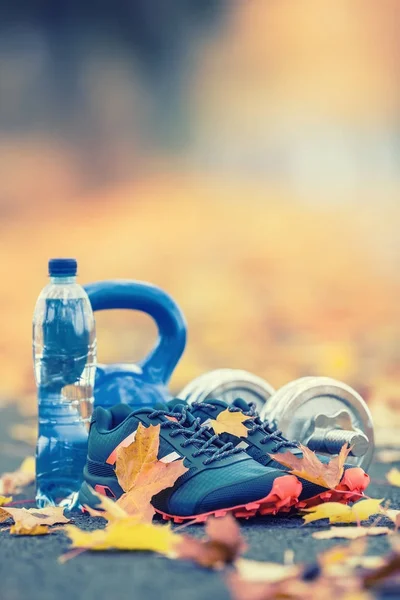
[227, 385]
[297, 405]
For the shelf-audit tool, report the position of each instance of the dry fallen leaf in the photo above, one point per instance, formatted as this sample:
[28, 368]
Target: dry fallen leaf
[350, 533]
[142, 451]
[334, 511]
[391, 567]
[141, 475]
[19, 529]
[109, 509]
[294, 588]
[341, 513]
[222, 546]
[309, 466]
[28, 518]
[125, 534]
[230, 422]
[254, 570]
[11, 483]
[393, 477]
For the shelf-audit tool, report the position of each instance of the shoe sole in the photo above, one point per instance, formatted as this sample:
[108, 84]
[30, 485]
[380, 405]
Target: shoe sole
[282, 498]
[350, 489]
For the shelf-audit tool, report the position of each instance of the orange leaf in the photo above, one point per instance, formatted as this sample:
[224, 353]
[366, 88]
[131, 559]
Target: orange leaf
[230, 422]
[309, 466]
[142, 451]
[141, 475]
[223, 546]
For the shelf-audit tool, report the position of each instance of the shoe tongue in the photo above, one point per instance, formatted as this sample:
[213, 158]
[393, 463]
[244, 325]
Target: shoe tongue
[160, 406]
[242, 404]
[171, 404]
[179, 405]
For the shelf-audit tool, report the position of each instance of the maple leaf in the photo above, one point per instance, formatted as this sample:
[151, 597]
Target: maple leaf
[393, 477]
[142, 451]
[222, 546]
[341, 513]
[125, 534]
[29, 518]
[309, 466]
[350, 533]
[230, 422]
[19, 529]
[141, 475]
[11, 483]
[110, 510]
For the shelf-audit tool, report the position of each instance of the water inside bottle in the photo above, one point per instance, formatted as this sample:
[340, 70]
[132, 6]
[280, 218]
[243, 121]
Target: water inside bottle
[65, 361]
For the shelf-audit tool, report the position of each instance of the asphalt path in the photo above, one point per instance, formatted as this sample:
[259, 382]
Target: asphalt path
[29, 567]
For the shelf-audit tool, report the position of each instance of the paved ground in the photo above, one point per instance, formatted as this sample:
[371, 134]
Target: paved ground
[29, 569]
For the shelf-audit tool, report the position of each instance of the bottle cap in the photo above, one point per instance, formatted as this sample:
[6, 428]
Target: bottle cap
[62, 267]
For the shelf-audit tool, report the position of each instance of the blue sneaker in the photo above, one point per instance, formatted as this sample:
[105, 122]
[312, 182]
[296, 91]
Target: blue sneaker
[264, 439]
[220, 477]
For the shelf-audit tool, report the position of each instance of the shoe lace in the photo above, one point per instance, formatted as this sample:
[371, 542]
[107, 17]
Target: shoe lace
[196, 434]
[254, 423]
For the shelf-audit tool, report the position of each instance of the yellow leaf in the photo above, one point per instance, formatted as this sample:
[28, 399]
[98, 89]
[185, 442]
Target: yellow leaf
[340, 513]
[125, 534]
[393, 477]
[364, 509]
[5, 500]
[309, 466]
[141, 452]
[230, 422]
[19, 529]
[350, 533]
[334, 511]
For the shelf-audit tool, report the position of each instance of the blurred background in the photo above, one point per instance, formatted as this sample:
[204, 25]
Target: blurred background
[241, 154]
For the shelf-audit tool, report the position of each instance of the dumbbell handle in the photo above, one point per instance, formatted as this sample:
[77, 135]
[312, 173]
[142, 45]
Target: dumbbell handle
[332, 440]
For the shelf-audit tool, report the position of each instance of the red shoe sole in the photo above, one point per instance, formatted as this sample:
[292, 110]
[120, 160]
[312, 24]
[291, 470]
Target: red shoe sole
[350, 489]
[283, 496]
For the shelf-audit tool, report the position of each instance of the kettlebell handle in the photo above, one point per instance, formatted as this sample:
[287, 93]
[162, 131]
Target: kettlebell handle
[136, 295]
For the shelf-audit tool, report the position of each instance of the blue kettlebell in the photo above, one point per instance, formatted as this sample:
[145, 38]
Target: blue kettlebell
[141, 384]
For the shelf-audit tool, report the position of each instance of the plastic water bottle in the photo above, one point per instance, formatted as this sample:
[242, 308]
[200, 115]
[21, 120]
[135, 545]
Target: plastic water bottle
[64, 354]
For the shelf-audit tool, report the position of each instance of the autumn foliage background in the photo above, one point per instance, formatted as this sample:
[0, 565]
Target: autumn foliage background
[244, 156]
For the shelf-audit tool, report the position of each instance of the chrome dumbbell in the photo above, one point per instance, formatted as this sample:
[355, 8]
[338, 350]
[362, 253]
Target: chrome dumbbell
[228, 384]
[319, 412]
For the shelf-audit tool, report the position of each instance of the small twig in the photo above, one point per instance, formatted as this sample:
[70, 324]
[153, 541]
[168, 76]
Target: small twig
[71, 554]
